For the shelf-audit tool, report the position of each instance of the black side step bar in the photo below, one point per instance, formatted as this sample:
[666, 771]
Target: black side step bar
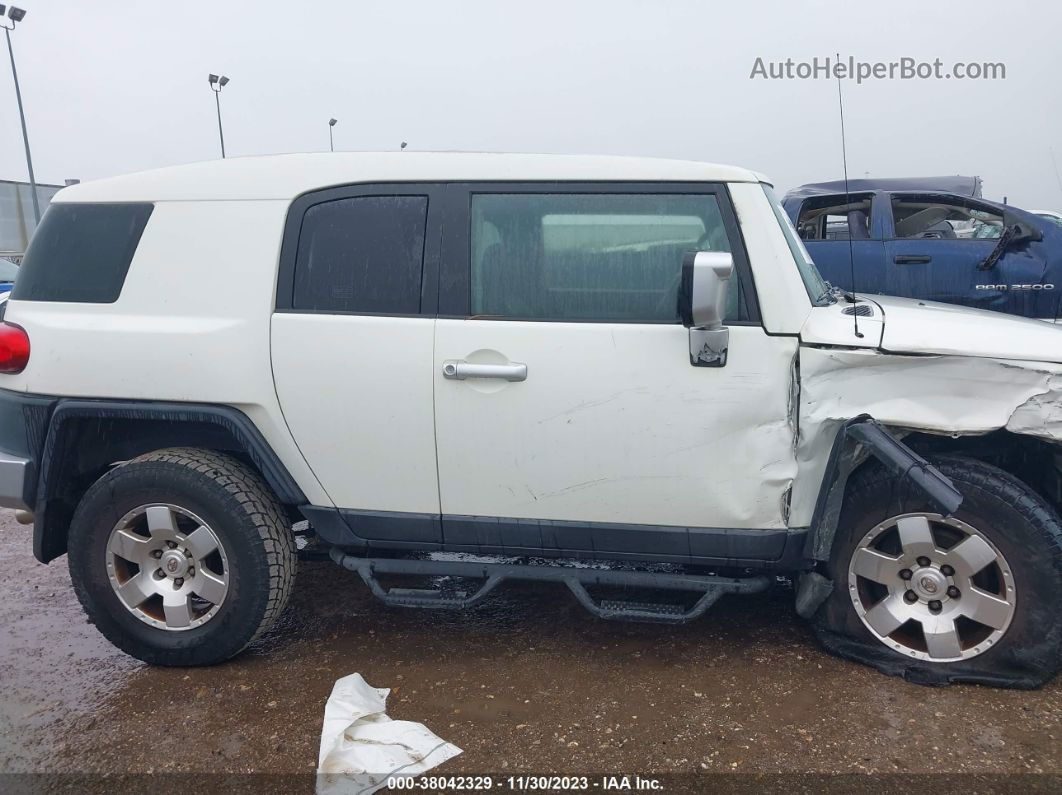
[710, 587]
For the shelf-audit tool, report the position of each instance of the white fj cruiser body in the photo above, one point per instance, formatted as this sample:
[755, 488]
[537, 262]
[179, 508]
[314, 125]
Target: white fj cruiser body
[523, 356]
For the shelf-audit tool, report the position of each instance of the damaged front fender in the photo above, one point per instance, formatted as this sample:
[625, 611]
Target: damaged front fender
[955, 396]
[1041, 414]
[945, 395]
[858, 438]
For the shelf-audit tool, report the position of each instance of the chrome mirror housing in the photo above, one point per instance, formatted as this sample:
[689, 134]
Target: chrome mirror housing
[702, 305]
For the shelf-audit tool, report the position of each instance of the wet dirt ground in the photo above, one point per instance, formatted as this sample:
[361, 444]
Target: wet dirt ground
[526, 683]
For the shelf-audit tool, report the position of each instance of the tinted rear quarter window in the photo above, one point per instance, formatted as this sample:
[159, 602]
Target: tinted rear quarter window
[81, 253]
[363, 254]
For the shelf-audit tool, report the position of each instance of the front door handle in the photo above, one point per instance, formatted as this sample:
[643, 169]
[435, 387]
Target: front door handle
[459, 370]
[912, 259]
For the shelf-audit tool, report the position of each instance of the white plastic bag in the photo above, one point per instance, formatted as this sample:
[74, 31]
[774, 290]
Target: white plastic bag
[361, 747]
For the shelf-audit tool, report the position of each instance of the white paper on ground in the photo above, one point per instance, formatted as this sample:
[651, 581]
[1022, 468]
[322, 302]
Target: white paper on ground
[361, 747]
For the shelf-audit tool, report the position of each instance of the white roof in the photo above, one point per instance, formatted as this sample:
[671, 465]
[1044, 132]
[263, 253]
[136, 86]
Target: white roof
[287, 176]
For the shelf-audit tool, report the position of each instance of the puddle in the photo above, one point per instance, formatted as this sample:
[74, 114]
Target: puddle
[526, 682]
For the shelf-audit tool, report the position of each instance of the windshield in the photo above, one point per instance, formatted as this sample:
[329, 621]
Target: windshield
[817, 287]
[8, 271]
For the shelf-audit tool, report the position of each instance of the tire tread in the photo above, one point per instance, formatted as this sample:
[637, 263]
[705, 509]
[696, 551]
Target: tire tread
[265, 515]
[261, 507]
[1034, 525]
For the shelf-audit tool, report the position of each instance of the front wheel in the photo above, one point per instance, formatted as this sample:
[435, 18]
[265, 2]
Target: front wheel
[181, 556]
[973, 597]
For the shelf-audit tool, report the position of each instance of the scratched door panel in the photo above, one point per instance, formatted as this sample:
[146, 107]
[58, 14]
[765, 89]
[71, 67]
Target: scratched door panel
[613, 424]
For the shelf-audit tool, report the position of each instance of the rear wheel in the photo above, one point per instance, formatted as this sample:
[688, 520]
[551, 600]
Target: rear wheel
[168, 567]
[973, 597]
[181, 557]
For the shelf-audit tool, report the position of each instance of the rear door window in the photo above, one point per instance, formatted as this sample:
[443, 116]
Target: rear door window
[362, 255]
[81, 253]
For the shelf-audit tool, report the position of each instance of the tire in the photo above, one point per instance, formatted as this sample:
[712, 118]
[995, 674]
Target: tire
[144, 512]
[1020, 646]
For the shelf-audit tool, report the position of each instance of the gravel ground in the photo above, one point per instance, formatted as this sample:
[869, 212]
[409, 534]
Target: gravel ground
[527, 683]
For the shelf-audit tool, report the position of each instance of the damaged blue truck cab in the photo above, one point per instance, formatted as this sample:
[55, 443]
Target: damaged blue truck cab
[934, 238]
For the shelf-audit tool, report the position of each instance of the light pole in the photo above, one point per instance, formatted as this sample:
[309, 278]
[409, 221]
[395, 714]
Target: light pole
[16, 15]
[216, 84]
[331, 124]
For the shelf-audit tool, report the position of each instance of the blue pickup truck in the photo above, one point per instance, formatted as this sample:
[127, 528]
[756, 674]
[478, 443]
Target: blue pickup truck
[934, 238]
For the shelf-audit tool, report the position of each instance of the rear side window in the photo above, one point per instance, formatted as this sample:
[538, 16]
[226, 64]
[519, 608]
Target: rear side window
[944, 218]
[363, 254]
[81, 253]
[589, 257]
[836, 218]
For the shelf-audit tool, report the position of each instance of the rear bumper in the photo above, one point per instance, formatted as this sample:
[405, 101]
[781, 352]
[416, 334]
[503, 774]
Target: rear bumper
[23, 424]
[13, 475]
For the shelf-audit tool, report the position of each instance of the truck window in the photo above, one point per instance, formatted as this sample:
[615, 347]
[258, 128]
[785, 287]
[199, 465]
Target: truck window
[589, 256]
[835, 218]
[363, 255]
[81, 253]
[944, 218]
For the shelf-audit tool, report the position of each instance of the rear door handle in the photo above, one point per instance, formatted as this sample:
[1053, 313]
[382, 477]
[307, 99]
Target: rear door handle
[911, 259]
[459, 370]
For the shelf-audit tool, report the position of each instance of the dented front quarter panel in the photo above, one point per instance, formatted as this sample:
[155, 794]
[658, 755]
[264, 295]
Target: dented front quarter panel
[941, 394]
[1040, 415]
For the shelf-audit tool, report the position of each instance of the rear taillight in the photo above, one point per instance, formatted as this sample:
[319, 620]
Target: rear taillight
[14, 348]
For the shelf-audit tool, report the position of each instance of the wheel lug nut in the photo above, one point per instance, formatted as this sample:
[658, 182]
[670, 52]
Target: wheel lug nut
[158, 575]
[953, 592]
[156, 554]
[910, 597]
[947, 570]
[905, 574]
[935, 605]
[180, 581]
[923, 561]
[171, 544]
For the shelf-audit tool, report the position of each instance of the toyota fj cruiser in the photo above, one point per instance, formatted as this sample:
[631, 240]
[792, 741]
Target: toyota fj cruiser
[529, 360]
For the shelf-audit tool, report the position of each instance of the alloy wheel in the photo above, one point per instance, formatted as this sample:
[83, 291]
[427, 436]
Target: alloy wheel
[167, 567]
[932, 587]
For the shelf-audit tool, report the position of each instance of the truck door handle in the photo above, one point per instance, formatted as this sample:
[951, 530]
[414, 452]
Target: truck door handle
[459, 370]
[911, 259]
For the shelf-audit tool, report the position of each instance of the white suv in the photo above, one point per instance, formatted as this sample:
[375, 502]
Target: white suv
[530, 359]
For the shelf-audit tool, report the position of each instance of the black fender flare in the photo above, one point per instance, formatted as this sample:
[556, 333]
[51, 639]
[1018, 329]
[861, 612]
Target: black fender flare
[855, 440]
[49, 536]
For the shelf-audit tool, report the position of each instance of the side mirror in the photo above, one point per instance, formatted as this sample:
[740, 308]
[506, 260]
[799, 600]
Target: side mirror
[702, 305]
[702, 296]
[1023, 233]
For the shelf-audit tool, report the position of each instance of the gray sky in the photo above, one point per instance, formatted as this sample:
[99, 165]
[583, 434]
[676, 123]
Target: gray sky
[112, 87]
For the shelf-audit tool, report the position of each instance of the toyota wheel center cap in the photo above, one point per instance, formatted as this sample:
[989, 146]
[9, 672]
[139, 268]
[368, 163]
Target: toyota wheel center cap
[929, 583]
[173, 563]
